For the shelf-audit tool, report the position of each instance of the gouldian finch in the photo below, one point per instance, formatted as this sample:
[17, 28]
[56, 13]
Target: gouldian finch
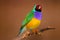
[32, 20]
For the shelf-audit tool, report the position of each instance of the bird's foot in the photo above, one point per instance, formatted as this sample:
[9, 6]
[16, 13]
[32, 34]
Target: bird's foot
[37, 33]
[30, 34]
[34, 33]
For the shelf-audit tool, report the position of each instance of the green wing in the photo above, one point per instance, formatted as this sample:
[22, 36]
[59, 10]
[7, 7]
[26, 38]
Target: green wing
[29, 16]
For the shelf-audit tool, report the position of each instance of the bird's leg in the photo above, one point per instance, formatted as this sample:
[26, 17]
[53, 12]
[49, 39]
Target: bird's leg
[36, 31]
[30, 33]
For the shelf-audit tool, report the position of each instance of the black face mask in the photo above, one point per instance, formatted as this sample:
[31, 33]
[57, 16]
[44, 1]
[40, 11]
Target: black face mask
[38, 10]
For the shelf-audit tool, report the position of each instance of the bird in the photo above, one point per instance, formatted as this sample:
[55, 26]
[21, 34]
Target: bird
[32, 20]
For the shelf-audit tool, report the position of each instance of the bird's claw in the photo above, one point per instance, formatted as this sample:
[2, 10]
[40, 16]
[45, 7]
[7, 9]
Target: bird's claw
[36, 33]
[29, 34]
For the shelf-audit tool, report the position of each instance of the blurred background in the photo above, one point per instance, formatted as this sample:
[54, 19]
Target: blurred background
[13, 12]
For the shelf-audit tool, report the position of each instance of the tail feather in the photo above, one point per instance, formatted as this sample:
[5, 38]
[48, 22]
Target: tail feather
[22, 31]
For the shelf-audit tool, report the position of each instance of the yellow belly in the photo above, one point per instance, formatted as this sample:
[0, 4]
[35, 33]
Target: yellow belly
[34, 23]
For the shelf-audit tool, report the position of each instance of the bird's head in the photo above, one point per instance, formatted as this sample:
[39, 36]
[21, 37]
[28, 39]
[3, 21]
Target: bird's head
[38, 8]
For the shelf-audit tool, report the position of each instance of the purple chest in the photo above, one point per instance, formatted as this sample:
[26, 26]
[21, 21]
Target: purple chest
[38, 15]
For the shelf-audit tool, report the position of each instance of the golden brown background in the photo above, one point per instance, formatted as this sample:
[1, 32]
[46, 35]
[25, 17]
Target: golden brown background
[12, 12]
